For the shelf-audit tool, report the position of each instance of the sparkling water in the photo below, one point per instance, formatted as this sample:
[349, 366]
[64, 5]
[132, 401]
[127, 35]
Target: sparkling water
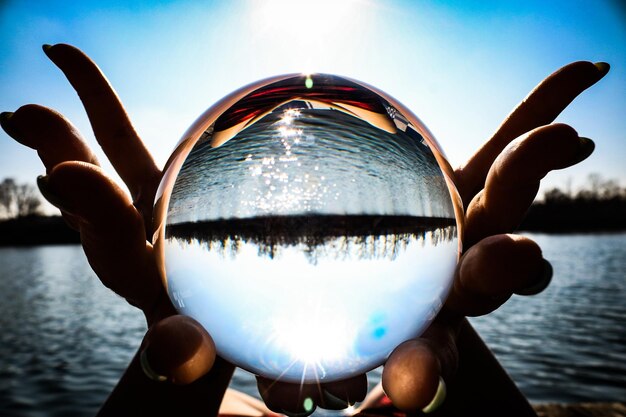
[309, 223]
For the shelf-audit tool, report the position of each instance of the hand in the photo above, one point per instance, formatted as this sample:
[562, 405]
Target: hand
[114, 229]
[497, 184]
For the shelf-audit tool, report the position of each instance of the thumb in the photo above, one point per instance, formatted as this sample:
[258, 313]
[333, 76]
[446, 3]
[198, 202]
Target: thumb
[177, 349]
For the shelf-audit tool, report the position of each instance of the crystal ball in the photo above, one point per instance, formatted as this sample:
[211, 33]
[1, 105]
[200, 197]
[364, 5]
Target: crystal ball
[311, 224]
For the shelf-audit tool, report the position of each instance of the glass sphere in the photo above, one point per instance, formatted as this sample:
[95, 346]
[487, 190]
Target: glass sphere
[310, 224]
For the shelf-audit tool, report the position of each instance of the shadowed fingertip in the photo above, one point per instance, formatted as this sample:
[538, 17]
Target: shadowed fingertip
[5, 116]
[542, 283]
[5, 122]
[43, 183]
[438, 399]
[411, 375]
[585, 148]
[342, 394]
[603, 67]
[147, 369]
[332, 402]
[179, 347]
[46, 48]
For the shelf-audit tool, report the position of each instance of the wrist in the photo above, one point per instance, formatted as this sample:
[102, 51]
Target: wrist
[137, 394]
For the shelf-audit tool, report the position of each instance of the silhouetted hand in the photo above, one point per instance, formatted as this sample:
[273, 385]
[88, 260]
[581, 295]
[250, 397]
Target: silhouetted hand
[114, 229]
[497, 185]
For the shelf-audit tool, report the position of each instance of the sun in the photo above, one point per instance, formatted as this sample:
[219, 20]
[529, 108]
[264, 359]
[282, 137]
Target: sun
[306, 31]
[312, 17]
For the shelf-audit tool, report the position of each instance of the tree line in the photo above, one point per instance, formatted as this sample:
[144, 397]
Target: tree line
[596, 189]
[600, 205]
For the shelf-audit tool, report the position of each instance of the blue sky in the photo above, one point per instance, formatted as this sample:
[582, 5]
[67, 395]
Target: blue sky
[461, 66]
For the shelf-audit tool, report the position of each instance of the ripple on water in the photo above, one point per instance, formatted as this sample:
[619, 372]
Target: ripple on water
[66, 339]
[568, 343]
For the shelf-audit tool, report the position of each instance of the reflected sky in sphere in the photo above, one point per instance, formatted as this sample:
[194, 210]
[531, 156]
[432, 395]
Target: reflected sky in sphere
[309, 223]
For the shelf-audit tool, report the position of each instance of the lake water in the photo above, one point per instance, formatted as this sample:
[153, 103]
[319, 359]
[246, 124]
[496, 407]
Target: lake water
[65, 339]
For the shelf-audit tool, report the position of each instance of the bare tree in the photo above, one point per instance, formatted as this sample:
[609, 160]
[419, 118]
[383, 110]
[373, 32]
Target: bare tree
[27, 200]
[7, 194]
[18, 200]
[599, 188]
[595, 181]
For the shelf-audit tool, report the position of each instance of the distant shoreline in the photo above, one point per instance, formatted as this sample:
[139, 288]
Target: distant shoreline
[541, 218]
[576, 216]
[37, 230]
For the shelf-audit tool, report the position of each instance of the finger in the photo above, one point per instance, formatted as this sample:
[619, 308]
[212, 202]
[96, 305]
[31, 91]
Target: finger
[412, 376]
[495, 268]
[540, 108]
[177, 349]
[111, 230]
[342, 394]
[296, 399]
[110, 123]
[513, 180]
[54, 138]
[289, 398]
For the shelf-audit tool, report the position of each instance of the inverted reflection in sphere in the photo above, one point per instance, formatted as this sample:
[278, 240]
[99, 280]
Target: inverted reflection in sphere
[308, 222]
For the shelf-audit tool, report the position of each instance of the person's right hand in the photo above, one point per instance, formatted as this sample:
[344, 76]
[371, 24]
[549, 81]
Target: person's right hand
[114, 229]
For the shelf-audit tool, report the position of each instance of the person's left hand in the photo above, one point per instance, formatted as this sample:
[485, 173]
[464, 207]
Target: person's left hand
[497, 185]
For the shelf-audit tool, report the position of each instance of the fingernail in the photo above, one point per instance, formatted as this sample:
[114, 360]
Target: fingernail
[43, 184]
[147, 369]
[5, 121]
[585, 148]
[438, 399]
[333, 403]
[542, 284]
[5, 116]
[46, 48]
[602, 67]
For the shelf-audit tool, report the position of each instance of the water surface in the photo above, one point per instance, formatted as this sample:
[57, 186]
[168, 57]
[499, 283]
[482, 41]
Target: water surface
[569, 342]
[65, 339]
